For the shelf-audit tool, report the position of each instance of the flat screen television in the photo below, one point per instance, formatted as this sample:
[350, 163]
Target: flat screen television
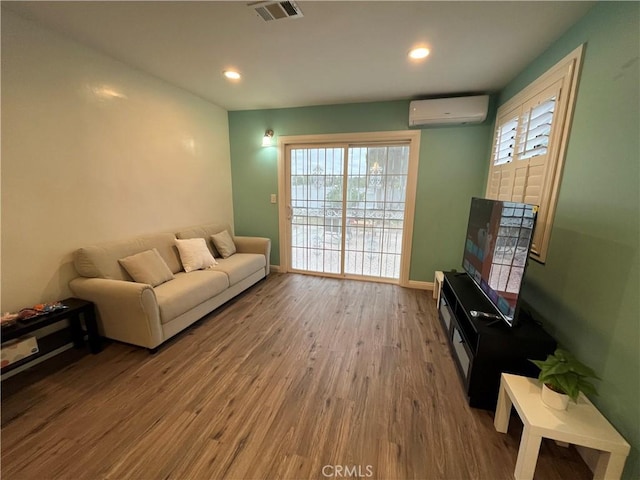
[496, 251]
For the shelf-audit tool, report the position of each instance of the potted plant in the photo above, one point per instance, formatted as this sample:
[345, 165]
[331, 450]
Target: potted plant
[563, 377]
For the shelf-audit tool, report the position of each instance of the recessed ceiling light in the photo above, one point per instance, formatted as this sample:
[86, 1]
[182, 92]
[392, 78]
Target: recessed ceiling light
[419, 53]
[231, 74]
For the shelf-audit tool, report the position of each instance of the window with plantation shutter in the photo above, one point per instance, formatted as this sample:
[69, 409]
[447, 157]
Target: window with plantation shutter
[529, 145]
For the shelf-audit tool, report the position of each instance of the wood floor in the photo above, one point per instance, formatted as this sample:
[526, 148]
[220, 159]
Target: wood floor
[297, 374]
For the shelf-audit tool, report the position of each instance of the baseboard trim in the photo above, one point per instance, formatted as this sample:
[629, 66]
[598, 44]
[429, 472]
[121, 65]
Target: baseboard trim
[415, 284]
[420, 285]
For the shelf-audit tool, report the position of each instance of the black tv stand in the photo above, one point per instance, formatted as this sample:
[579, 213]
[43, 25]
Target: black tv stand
[483, 349]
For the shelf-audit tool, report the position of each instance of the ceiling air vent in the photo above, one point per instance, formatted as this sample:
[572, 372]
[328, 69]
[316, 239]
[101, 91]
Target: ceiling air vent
[276, 10]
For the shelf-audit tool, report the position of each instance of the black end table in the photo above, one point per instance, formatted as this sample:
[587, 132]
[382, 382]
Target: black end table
[76, 310]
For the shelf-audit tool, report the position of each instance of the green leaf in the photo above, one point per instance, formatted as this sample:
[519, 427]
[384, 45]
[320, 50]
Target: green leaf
[569, 385]
[549, 361]
[557, 369]
[587, 387]
[553, 382]
[583, 370]
[544, 378]
[538, 363]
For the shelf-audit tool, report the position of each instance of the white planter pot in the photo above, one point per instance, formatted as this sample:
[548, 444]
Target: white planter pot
[555, 400]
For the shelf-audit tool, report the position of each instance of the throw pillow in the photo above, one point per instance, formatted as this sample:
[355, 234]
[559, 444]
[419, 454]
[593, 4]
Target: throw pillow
[194, 254]
[147, 267]
[224, 244]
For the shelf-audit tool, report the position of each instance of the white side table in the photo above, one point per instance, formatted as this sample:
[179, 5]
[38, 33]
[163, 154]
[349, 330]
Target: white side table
[581, 424]
[437, 286]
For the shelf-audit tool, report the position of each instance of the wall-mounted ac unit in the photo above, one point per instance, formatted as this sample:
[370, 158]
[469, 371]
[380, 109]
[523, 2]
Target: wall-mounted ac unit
[448, 111]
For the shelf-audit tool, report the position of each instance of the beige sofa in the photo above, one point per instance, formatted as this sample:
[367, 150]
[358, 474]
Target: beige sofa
[143, 315]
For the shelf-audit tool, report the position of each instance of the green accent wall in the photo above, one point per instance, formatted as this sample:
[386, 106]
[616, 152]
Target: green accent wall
[588, 289]
[451, 171]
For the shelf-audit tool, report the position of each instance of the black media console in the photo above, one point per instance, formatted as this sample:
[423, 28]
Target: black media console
[483, 347]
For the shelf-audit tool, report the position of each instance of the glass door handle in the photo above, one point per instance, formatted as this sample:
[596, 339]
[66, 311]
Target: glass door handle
[289, 212]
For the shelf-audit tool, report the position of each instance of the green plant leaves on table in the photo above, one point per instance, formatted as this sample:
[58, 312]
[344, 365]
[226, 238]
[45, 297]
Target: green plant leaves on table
[564, 373]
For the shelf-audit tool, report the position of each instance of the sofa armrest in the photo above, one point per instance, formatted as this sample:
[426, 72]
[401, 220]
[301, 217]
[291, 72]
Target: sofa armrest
[260, 245]
[126, 311]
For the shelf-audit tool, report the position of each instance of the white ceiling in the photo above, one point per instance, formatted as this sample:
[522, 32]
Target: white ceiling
[338, 52]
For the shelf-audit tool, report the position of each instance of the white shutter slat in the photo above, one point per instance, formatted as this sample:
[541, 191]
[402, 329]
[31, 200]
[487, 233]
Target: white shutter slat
[540, 130]
[507, 142]
[534, 152]
[542, 117]
[506, 133]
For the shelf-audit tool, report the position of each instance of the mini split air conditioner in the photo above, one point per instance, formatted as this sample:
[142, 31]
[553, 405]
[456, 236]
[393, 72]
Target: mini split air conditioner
[448, 111]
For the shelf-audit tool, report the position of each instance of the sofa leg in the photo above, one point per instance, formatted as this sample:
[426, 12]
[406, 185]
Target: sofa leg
[153, 351]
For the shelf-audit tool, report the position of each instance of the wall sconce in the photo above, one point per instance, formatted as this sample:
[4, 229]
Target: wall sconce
[266, 140]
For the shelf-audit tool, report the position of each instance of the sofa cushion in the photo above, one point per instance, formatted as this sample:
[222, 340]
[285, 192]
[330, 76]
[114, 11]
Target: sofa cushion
[240, 266]
[147, 267]
[194, 254]
[224, 244]
[205, 231]
[188, 290]
[101, 261]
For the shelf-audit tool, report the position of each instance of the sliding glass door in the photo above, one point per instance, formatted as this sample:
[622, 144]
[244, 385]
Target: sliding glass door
[317, 208]
[347, 208]
[375, 208]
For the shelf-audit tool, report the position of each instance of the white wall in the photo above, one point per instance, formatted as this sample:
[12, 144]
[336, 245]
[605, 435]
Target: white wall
[93, 150]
